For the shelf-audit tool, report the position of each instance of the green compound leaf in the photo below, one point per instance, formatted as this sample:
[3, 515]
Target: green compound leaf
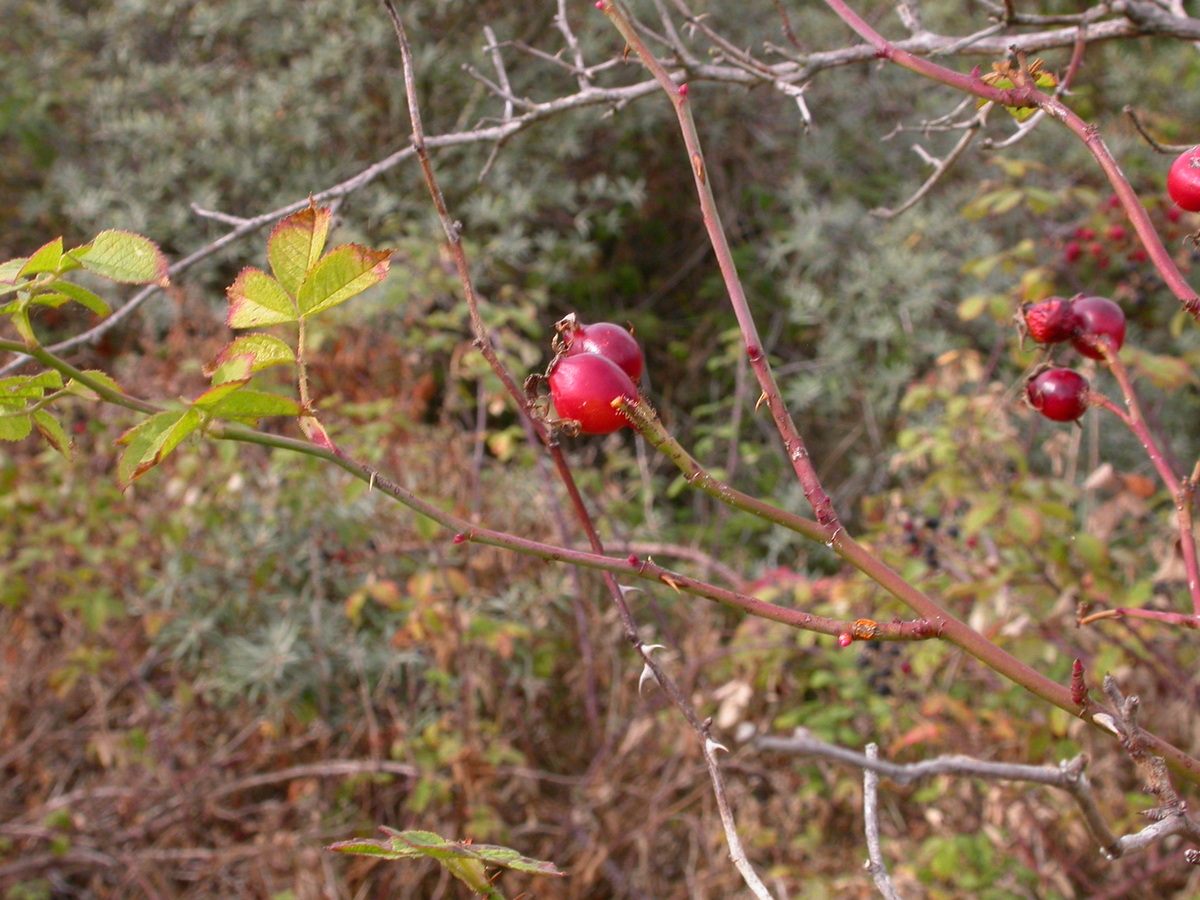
[296, 245]
[465, 861]
[150, 442]
[14, 424]
[17, 395]
[214, 395]
[10, 271]
[247, 355]
[46, 258]
[124, 257]
[232, 400]
[30, 386]
[257, 299]
[247, 406]
[341, 273]
[83, 297]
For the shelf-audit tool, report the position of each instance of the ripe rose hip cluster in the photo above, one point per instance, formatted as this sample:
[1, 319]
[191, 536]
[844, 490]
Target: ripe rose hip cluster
[593, 366]
[1088, 323]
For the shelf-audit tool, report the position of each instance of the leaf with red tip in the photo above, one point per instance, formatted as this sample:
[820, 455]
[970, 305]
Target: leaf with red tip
[296, 244]
[124, 257]
[257, 299]
[46, 258]
[247, 355]
[315, 432]
[150, 442]
[231, 400]
[10, 271]
[341, 274]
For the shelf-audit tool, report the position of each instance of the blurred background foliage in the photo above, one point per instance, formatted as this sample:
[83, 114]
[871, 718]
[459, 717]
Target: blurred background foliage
[240, 614]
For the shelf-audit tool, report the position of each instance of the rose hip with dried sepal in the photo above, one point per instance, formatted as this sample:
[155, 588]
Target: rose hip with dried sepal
[1060, 395]
[1050, 321]
[584, 388]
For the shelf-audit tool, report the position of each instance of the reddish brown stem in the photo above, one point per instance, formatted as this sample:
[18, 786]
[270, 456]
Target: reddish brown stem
[1123, 612]
[794, 446]
[1182, 491]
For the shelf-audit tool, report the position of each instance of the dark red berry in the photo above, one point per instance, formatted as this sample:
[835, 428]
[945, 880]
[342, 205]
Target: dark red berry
[607, 339]
[1183, 180]
[584, 387]
[1072, 251]
[1050, 321]
[1116, 232]
[1058, 394]
[1085, 233]
[845, 639]
[1099, 320]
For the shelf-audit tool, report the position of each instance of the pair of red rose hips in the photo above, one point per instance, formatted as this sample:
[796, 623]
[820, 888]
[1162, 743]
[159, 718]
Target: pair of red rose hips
[1087, 322]
[596, 364]
[1084, 321]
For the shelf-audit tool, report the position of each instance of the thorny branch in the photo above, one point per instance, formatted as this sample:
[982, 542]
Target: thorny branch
[788, 75]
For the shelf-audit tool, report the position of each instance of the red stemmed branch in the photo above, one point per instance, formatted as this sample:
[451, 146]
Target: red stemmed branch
[793, 444]
[940, 622]
[1027, 95]
[1182, 490]
[827, 527]
[630, 566]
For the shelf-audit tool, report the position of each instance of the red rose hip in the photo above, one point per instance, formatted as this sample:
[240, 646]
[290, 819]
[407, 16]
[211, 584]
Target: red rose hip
[1050, 321]
[1100, 319]
[1060, 395]
[583, 389]
[606, 339]
[1183, 180]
